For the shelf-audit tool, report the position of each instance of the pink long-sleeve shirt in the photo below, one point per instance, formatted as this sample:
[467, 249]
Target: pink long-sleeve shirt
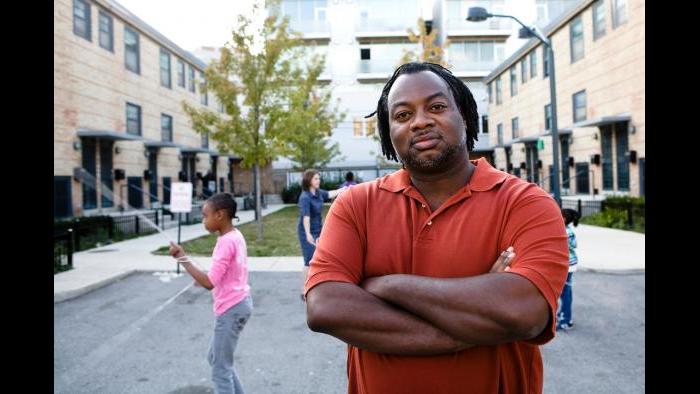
[229, 271]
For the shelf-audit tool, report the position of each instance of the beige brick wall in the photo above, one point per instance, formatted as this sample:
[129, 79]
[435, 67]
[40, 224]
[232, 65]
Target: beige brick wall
[92, 87]
[612, 74]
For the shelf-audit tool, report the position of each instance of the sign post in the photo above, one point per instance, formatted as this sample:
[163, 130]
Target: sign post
[180, 201]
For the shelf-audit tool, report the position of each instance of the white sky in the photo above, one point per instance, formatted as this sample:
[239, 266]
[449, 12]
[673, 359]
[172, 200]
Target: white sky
[191, 23]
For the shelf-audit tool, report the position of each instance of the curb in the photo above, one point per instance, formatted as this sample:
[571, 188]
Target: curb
[70, 294]
[626, 271]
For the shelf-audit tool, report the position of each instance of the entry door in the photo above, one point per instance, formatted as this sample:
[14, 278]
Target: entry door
[89, 162]
[582, 181]
[135, 193]
[166, 190]
[62, 202]
[106, 172]
[153, 167]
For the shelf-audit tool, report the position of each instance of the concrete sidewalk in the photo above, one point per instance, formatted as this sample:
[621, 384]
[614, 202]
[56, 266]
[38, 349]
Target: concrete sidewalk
[602, 249]
[599, 250]
[98, 267]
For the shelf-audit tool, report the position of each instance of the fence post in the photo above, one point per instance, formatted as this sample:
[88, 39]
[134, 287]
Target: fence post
[630, 222]
[579, 208]
[76, 236]
[156, 214]
[110, 229]
[71, 247]
[137, 223]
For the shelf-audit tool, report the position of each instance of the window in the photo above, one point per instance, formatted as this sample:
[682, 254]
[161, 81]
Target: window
[204, 99]
[513, 82]
[548, 117]
[533, 63]
[166, 128]
[619, 12]
[498, 91]
[365, 54]
[598, 19]
[165, 79]
[545, 63]
[499, 133]
[106, 32]
[205, 140]
[523, 69]
[180, 73]
[481, 55]
[190, 76]
[576, 39]
[515, 124]
[82, 19]
[133, 119]
[357, 127]
[489, 92]
[221, 107]
[579, 100]
[485, 124]
[131, 50]
[371, 126]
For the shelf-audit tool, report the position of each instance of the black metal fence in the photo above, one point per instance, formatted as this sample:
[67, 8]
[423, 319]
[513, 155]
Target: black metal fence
[584, 208]
[87, 232]
[135, 224]
[623, 213]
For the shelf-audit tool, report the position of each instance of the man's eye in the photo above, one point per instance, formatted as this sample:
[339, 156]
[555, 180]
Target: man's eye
[439, 107]
[401, 116]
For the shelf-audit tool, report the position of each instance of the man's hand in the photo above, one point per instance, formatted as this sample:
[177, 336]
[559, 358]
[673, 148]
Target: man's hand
[176, 250]
[374, 284]
[503, 261]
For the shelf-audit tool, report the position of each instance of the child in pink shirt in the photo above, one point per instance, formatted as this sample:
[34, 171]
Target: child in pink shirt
[228, 280]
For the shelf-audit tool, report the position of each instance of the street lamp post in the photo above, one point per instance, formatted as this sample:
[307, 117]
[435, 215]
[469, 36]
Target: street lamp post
[478, 14]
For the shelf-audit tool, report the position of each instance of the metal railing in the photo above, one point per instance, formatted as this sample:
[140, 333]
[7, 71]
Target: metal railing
[584, 208]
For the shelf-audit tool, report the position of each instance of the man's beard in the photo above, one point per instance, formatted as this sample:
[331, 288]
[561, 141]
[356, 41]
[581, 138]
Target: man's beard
[444, 160]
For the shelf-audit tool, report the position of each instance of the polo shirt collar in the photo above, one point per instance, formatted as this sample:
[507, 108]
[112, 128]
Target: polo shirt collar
[484, 178]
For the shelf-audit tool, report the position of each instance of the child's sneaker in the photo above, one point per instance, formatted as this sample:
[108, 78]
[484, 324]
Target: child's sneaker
[565, 326]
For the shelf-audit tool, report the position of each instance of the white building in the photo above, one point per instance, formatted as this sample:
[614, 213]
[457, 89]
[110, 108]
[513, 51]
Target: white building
[364, 40]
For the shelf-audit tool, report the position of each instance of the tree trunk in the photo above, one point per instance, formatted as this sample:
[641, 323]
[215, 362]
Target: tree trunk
[258, 202]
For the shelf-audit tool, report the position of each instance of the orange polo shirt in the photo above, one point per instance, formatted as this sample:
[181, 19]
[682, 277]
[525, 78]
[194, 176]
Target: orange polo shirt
[386, 227]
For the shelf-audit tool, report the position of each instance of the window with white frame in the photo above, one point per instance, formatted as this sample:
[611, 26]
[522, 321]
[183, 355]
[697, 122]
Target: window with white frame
[106, 31]
[579, 103]
[576, 39]
[619, 12]
[131, 50]
[598, 13]
[82, 19]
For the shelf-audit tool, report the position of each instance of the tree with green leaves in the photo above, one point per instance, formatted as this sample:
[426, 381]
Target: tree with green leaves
[257, 83]
[310, 122]
[430, 51]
